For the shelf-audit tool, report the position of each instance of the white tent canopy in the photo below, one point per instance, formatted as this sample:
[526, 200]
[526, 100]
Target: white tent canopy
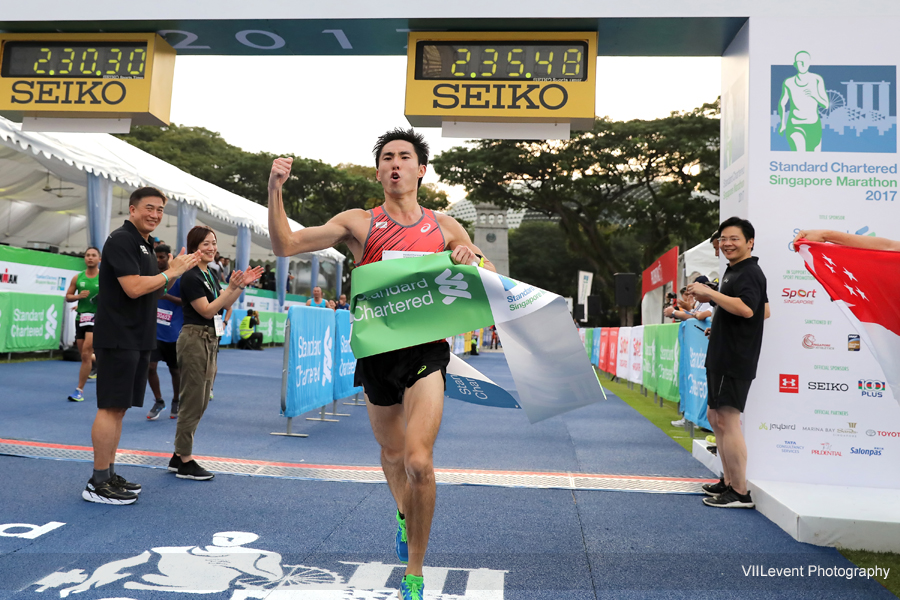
[32, 163]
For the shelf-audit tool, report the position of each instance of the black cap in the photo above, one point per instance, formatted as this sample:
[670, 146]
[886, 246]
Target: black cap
[702, 279]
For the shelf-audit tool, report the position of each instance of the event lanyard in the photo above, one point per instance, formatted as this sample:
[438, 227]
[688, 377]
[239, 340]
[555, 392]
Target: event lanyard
[212, 284]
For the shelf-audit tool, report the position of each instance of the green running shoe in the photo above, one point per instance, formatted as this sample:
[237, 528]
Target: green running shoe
[411, 588]
[402, 546]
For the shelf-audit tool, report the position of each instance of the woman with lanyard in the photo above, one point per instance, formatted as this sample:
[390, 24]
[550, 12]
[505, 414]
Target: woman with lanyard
[84, 289]
[203, 303]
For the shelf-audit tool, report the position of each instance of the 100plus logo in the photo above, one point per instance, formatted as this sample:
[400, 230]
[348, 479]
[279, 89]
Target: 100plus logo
[871, 388]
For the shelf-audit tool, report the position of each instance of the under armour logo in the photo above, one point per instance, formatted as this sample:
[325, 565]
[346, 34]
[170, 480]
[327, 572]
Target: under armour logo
[452, 287]
[425, 228]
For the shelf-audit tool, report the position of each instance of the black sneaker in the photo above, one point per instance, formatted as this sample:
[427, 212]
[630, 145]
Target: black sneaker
[175, 463]
[173, 412]
[154, 413]
[123, 484]
[191, 470]
[106, 493]
[714, 489]
[730, 499]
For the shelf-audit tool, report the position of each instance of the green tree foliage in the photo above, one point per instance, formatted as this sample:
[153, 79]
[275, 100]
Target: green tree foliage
[622, 185]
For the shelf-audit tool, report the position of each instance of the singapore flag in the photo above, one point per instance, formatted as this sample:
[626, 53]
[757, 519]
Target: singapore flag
[866, 287]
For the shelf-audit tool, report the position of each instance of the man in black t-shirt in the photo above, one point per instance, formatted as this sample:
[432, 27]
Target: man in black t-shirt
[734, 343]
[124, 335]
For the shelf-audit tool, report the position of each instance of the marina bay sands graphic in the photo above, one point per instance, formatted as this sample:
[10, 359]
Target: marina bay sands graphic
[833, 108]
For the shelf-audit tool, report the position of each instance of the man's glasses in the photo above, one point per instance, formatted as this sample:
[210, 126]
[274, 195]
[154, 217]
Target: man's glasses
[733, 240]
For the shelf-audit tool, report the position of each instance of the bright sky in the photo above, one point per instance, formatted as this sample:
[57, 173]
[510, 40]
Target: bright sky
[333, 108]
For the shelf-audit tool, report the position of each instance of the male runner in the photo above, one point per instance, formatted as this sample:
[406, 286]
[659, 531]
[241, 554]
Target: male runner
[169, 319]
[87, 284]
[404, 388]
[317, 299]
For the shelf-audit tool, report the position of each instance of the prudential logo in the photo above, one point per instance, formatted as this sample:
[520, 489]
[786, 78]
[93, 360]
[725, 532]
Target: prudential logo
[51, 324]
[452, 287]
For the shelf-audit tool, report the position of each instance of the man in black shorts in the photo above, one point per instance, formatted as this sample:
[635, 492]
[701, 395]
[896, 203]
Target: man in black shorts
[124, 335]
[734, 344]
[169, 319]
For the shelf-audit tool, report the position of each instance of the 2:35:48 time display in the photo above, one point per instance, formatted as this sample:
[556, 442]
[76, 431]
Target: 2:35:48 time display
[74, 60]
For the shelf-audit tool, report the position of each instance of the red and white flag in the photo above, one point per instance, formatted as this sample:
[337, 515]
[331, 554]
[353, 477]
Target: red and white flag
[865, 284]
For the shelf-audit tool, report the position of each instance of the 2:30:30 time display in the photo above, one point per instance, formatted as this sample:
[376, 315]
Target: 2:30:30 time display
[75, 60]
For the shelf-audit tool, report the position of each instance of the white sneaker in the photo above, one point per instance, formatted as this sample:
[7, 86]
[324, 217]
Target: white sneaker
[679, 423]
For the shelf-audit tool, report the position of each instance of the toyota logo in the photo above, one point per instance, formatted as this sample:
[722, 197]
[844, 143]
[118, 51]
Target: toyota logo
[870, 432]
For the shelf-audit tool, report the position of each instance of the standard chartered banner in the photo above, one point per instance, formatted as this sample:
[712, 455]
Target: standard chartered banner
[692, 370]
[400, 303]
[237, 315]
[280, 320]
[668, 357]
[344, 361]
[30, 321]
[595, 347]
[266, 326]
[588, 340]
[635, 363]
[310, 383]
[649, 358]
[623, 355]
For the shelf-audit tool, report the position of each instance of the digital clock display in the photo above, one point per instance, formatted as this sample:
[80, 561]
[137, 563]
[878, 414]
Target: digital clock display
[510, 61]
[75, 60]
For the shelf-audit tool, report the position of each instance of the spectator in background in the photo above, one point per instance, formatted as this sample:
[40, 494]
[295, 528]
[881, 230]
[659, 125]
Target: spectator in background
[342, 303]
[216, 269]
[317, 299]
[204, 303]
[733, 354]
[87, 284]
[689, 307]
[714, 240]
[226, 268]
[169, 319]
[156, 242]
[125, 334]
[267, 281]
[250, 338]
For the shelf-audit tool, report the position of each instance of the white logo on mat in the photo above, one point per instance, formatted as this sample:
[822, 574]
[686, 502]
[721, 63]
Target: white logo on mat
[452, 287]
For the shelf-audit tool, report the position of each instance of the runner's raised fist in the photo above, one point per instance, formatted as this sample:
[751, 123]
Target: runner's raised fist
[281, 170]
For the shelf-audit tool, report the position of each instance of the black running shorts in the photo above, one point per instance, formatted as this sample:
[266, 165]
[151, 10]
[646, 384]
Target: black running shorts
[727, 391]
[121, 377]
[385, 377]
[165, 352]
[81, 331]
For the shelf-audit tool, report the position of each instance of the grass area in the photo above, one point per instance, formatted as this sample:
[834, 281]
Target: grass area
[668, 412]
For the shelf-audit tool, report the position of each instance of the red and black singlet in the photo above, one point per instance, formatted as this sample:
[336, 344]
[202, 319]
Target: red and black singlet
[386, 234]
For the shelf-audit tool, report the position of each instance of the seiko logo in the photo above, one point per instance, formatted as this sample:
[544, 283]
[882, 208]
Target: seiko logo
[823, 386]
[67, 92]
[513, 96]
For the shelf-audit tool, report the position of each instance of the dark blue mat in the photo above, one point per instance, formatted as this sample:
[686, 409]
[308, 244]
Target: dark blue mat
[608, 437]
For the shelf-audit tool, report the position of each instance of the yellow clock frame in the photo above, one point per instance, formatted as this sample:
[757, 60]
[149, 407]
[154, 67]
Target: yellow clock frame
[145, 101]
[431, 102]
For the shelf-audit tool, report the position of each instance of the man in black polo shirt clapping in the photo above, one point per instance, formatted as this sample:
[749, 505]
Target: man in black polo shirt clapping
[124, 335]
[734, 344]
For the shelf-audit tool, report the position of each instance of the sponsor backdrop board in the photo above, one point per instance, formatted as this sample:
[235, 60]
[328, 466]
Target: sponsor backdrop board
[29, 322]
[810, 142]
[635, 365]
[624, 353]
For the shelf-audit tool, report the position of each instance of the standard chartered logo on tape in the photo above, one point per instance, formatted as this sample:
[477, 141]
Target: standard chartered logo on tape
[452, 287]
[326, 362]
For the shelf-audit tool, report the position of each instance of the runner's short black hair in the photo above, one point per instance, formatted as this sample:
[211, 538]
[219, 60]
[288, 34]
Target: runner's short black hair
[406, 135]
[163, 249]
[92, 248]
[744, 224]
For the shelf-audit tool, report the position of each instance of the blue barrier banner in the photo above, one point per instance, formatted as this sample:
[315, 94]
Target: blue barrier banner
[595, 347]
[692, 370]
[229, 331]
[237, 315]
[344, 361]
[310, 382]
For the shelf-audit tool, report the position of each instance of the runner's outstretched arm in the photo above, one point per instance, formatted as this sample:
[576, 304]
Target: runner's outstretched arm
[288, 243]
[867, 242]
